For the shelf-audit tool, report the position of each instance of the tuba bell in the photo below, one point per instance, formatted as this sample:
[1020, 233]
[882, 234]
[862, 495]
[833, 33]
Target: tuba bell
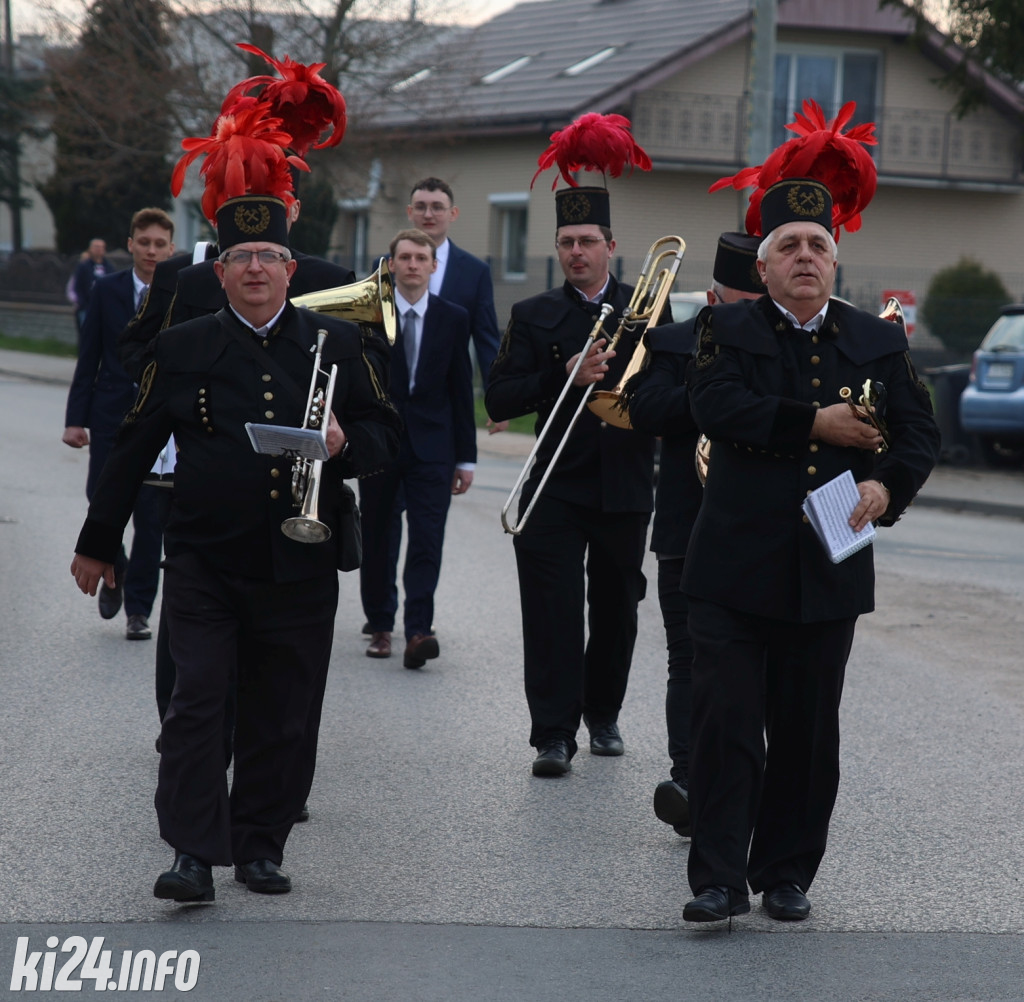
[370, 301]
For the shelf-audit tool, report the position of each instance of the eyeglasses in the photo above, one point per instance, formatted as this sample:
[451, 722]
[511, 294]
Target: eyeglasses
[435, 208]
[567, 244]
[245, 257]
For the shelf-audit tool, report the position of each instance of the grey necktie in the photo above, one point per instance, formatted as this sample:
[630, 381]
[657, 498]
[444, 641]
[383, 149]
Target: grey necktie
[140, 296]
[409, 339]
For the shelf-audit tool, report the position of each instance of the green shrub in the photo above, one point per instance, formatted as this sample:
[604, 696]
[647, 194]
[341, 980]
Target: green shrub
[961, 303]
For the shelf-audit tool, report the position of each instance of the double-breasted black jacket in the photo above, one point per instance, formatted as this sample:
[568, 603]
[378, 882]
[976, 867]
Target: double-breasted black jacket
[659, 404]
[209, 377]
[602, 467]
[755, 386]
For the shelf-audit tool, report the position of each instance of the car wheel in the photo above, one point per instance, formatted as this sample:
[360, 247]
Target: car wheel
[999, 455]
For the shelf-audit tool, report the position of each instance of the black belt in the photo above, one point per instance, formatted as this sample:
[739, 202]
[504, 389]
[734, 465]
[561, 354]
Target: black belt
[159, 480]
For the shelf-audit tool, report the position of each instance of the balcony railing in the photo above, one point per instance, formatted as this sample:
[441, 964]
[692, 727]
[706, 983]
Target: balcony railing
[695, 129]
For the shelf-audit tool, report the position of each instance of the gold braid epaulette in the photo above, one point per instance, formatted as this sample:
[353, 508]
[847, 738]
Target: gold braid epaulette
[506, 340]
[707, 350]
[145, 385]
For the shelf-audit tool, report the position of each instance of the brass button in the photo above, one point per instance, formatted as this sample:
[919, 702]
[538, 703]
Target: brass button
[202, 410]
[815, 403]
[206, 420]
[275, 472]
[202, 390]
[815, 360]
[275, 494]
[805, 519]
[266, 344]
[268, 395]
[268, 414]
[814, 339]
[812, 470]
[267, 377]
[815, 382]
[814, 446]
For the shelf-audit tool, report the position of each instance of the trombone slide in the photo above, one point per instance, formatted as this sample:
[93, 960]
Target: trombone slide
[515, 528]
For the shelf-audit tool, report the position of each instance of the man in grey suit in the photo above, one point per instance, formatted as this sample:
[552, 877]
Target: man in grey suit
[460, 277]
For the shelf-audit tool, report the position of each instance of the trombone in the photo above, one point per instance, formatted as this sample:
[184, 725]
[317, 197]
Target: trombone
[644, 307]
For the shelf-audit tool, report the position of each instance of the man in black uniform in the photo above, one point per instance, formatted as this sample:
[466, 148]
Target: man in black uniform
[241, 597]
[771, 618]
[593, 512]
[659, 404]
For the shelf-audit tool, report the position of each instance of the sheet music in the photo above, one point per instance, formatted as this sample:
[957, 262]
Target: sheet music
[829, 508]
[280, 440]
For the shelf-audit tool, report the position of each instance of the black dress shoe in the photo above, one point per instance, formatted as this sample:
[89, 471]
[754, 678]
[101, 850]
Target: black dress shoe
[111, 599]
[605, 739]
[786, 903]
[553, 759]
[190, 879]
[672, 805]
[138, 628]
[715, 904]
[303, 814]
[263, 877]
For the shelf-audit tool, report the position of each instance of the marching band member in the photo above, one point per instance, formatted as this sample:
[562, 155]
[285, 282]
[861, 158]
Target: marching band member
[584, 542]
[771, 617]
[242, 599]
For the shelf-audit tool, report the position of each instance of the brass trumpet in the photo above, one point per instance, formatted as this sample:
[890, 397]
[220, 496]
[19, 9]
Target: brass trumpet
[645, 305]
[306, 527]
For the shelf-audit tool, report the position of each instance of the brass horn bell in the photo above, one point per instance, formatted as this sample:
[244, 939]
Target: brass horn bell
[370, 301]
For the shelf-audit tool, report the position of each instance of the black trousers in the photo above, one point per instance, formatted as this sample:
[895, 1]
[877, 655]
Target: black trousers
[276, 640]
[674, 615]
[567, 677]
[757, 679]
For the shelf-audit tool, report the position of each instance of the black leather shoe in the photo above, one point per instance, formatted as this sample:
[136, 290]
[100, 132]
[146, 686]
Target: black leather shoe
[189, 879]
[786, 903]
[263, 877]
[672, 805]
[303, 814]
[715, 904]
[605, 739]
[138, 628]
[552, 759]
[111, 599]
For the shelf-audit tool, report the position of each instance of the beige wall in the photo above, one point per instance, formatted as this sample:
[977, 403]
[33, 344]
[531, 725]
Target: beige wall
[36, 221]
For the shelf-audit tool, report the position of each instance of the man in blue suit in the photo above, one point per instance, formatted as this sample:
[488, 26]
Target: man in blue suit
[432, 389]
[101, 394]
[460, 277]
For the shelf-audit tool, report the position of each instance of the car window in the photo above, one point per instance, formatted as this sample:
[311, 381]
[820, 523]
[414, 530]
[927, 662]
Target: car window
[1007, 334]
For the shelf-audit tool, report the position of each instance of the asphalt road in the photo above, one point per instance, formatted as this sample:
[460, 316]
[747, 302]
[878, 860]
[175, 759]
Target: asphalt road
[436, 867]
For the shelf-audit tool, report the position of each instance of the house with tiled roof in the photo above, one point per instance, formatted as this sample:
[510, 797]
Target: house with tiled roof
[479, 111]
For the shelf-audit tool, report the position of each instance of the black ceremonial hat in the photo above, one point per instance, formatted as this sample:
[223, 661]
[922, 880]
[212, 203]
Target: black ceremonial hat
[796, 200]
[574, 206]
[736, 262]
[252, 218]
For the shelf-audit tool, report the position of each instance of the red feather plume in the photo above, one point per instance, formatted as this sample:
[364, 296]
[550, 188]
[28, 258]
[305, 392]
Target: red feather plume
[305, 102]
[244, 153]
[594, 143]
[821, 151]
